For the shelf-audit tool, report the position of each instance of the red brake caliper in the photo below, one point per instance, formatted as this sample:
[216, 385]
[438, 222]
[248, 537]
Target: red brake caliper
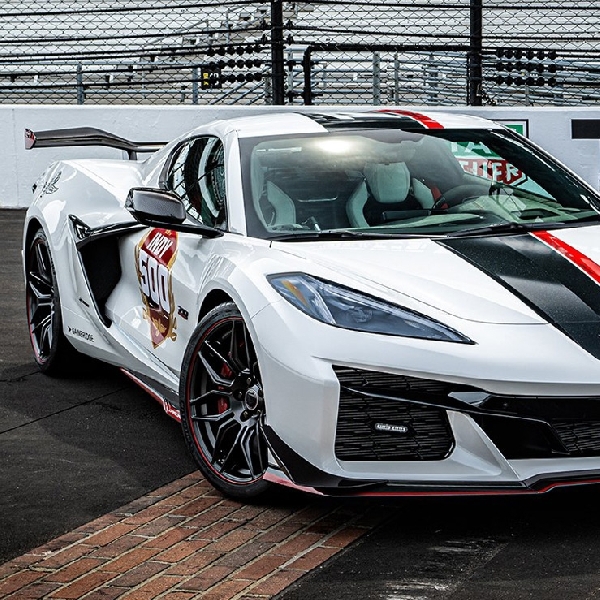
[223, 403]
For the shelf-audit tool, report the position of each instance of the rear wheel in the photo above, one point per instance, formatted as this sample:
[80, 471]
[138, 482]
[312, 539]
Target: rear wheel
[52, 351]
[222, 405]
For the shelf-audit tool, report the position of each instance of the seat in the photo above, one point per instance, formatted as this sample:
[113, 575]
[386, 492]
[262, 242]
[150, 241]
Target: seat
[386, 187]
[284, 209]
[273, 206]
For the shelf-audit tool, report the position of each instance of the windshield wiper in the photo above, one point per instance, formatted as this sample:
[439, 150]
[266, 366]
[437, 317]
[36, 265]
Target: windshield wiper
[512, 227]
[499, 228]
[340, 234]
[595, 218]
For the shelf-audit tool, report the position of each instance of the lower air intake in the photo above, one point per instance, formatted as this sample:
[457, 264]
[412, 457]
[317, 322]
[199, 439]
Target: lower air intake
[375, 429]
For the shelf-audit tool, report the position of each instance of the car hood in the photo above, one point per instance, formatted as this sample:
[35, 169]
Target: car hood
[500, 279]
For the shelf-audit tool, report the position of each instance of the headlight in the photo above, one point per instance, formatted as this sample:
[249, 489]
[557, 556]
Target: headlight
[342, 307]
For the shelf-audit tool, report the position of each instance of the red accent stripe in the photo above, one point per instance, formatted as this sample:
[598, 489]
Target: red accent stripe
[586, 264]
[525, 491]
[290, 484]
[421, 118]
[172, 412]
[498, 492]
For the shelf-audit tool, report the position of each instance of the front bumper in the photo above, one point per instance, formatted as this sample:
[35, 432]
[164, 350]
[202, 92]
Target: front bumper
[352, 413]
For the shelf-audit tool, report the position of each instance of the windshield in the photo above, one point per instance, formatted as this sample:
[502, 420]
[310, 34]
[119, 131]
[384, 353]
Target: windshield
[390, 182]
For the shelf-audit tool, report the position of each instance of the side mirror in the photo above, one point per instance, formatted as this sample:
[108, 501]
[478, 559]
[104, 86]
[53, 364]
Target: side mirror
[161, 208]
[158, 206]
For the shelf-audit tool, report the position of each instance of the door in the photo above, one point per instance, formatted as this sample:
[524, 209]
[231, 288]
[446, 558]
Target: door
[156, 303]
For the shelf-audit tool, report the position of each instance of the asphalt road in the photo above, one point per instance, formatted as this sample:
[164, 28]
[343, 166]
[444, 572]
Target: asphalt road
[70, 449]
[73, 449]
[545, 547]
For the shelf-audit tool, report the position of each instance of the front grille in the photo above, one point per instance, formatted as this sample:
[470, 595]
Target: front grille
[543, 427]
[413, 432]
[376, 429]
[413, 411]
[582, 439]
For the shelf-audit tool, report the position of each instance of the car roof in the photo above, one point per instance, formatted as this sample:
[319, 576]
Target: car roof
[280, 123]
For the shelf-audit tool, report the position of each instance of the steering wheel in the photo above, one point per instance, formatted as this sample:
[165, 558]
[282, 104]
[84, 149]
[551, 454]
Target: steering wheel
[454, 196]
[311, 223]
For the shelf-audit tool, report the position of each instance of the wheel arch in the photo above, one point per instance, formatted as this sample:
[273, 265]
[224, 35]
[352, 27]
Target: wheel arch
[212, 300]
[33, 226]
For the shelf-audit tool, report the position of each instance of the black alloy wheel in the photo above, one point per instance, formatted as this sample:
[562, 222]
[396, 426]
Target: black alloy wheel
[222, 404]
[52, 351]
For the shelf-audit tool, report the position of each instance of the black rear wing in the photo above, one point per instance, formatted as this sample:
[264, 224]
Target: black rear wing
[87, 136]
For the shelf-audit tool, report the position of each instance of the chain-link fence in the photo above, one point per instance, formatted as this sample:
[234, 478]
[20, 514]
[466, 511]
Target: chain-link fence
[304, 52]
[134, 51]
[541, 52]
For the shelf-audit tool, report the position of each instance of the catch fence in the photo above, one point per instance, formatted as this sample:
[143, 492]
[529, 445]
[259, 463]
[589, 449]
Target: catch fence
[438, 52]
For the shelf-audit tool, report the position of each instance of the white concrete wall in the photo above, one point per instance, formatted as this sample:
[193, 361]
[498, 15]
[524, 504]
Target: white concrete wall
[19, 168]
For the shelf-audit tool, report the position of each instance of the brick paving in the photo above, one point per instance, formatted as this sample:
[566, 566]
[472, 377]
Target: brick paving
[184, 542]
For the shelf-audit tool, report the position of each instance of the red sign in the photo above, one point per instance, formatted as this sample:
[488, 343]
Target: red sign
[495, 169]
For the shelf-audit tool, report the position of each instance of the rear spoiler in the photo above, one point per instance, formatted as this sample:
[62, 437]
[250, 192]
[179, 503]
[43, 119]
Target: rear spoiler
[87, 136]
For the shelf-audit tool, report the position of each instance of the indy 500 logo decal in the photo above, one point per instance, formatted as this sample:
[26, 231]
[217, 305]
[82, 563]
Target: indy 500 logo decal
[155, 255]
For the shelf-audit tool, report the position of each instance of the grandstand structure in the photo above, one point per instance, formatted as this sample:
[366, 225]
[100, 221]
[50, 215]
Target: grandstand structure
[498, 52]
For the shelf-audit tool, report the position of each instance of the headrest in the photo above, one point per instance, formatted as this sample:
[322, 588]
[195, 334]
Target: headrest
[388, 183]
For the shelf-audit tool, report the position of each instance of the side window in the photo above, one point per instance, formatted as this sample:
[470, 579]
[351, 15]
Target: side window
[197, 175]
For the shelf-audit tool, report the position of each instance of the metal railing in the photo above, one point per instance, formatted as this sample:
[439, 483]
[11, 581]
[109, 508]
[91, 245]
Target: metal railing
[309, 52]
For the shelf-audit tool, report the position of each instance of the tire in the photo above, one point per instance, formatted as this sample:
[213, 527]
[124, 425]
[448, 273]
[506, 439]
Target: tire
[53, 353]
[222, 405]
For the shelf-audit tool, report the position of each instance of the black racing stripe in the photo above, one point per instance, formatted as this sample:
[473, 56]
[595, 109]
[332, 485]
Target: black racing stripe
[544, 279]
[364, 121]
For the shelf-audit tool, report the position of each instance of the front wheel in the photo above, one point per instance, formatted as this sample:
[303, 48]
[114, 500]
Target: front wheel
[222, 405]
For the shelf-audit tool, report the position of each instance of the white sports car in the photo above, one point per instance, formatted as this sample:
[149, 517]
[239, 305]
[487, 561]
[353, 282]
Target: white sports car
[352, 304]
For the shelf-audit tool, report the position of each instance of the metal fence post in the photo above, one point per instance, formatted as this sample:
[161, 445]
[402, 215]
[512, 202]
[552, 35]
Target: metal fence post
[195, 85]
[277, 58]
[80, 90]
[376, 79]
[290, 78]
[307, 94]
[396, 79]
[268, 92]
[474, 59]
[431, 78]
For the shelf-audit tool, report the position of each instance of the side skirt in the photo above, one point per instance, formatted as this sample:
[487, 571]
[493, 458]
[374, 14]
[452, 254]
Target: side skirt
[165, 397]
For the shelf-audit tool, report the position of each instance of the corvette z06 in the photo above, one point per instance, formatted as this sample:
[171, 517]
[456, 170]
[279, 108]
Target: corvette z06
[370, 303]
